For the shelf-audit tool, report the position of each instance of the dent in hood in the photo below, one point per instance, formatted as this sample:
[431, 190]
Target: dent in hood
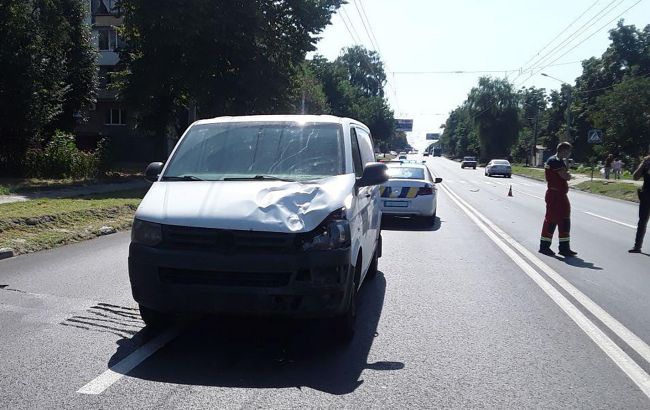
[272, 206]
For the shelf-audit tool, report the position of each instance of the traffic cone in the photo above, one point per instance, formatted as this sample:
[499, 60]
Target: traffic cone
[510, 190]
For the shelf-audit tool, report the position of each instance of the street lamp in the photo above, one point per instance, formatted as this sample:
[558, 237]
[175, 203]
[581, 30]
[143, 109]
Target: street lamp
[568, 105]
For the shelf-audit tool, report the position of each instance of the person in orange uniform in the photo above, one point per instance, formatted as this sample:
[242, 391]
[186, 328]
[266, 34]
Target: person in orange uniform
[558, 208]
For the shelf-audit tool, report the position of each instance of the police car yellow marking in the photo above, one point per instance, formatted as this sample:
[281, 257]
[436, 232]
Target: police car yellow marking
[413, 191]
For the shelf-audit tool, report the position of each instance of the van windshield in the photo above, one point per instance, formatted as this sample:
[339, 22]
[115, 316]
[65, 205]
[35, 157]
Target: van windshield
[258, 150]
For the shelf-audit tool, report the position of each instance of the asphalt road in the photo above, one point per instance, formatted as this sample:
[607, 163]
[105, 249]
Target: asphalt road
[459, 317]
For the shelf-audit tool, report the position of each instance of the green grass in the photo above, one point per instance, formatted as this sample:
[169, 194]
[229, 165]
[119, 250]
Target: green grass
[4, 190]
[535, 173]
[46, 223]
[618, 190]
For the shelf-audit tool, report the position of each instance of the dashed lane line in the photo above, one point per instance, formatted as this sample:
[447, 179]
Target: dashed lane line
[606, 344]
[610, 219]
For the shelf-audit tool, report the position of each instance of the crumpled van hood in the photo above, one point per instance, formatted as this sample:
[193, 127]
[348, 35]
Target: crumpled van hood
[270, 206]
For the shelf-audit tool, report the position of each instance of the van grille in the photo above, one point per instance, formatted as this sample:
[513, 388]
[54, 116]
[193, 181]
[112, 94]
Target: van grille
[234, 279]
[227, 241]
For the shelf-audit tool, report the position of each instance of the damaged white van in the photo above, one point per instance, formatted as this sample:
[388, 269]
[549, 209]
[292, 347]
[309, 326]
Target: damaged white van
[260, 215]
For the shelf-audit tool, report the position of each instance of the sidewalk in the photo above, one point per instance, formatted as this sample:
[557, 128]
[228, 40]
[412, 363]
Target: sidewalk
[579, 178]
[75, 191]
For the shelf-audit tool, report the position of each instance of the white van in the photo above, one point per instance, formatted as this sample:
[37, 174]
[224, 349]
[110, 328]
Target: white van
[259, 215]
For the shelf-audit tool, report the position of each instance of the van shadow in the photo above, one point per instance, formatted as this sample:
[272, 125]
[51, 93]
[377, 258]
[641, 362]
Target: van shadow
[268, 353]
[397, 223]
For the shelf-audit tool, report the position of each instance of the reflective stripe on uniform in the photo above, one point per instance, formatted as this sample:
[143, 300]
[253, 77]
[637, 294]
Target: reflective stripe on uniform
[545, 239]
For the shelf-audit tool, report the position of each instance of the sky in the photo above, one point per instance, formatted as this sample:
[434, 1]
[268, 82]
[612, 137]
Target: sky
[497, 37]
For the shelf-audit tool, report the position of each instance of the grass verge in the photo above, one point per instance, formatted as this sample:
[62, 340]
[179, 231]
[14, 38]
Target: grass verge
[618, 190]
[535, 173]
[46, 223]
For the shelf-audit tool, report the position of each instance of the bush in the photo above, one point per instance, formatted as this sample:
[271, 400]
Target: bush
[61, 159]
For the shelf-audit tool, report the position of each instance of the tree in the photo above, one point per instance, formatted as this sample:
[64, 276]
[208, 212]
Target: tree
[493, 106]
[47, 73]
[532, 104]
[353, 85]
[227, 57]
[624, 114]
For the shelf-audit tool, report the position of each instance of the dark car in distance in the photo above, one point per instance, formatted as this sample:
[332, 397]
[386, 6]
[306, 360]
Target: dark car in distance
[468, 162]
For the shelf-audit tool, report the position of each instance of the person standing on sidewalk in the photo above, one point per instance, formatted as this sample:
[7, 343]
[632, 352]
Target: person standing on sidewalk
[643, 171]
[608, 165]
[558, 208]
[617, 167]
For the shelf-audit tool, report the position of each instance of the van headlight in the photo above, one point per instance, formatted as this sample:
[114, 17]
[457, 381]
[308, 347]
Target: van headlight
[332, 233]
[146, 233]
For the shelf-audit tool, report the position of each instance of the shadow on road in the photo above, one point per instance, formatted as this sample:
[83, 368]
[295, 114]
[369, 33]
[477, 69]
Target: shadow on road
[579, 263]
[397, 223]
[265, 353]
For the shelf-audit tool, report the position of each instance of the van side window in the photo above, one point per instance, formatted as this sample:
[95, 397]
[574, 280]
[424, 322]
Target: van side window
[356, 155]
[365, 145]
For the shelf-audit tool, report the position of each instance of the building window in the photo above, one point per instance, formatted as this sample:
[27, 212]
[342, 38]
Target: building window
[108, 40]
[115, 116]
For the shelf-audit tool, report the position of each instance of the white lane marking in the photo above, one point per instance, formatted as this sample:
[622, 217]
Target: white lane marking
[609, 219]
[607, 345]
[119, 369]
[489, 183]
[526, 193]
[624, 333]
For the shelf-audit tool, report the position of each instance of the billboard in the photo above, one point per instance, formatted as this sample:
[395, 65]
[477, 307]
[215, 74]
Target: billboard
[404, 125]
[433, 136]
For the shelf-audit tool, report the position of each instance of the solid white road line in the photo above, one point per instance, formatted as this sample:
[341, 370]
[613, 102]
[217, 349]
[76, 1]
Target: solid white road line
[624, 333]
[610, 220]
[119, 369]
[607, 345]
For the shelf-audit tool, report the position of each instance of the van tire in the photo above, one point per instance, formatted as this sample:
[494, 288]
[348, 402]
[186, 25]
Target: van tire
[343, 325]
[153, 318]
[374, 266]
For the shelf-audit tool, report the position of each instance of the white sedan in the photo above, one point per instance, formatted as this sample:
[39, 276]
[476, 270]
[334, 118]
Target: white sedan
[410, 191]
[498, 167]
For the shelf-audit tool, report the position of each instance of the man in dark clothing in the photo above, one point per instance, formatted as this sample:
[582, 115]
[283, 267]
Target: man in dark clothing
[558, 208]
[608, 165]
[644, 203]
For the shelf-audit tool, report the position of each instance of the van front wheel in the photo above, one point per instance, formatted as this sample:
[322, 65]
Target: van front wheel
[344, 325]
[153, 318]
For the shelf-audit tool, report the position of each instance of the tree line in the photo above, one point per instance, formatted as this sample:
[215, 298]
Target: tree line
[612, 94]
[178, 57]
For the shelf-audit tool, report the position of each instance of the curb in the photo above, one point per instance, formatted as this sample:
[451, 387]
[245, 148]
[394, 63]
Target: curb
[6, 253]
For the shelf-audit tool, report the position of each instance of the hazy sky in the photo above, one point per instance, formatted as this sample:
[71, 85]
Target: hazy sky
[473, 35]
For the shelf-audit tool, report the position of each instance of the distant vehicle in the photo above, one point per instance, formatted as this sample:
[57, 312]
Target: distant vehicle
[402, 156]
[437, 152]
[410, 191]
[286, 221]
[426, 154]
[498, 167]
[393, 153]
[468, 162]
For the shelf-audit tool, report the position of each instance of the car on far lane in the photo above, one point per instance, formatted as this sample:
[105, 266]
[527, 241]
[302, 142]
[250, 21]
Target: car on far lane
[468, 162]
[498, 167]
[402, 156]
[410, 191]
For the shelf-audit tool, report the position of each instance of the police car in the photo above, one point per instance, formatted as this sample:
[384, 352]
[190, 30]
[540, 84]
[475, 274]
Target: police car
[410, 191]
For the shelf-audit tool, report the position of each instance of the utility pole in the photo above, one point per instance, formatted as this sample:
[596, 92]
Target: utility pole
[568, 114]
[302, 110]
[533, 149]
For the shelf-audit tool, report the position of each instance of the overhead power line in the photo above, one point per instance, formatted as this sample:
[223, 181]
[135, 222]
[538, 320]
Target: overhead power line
[585, 39]
[539, 59]
[581, 30]
[475, 71]
[372, 32]
[560, 33]
[349, 26]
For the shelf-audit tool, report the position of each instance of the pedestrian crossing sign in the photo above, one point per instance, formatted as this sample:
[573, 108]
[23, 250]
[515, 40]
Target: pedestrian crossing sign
[595, 136]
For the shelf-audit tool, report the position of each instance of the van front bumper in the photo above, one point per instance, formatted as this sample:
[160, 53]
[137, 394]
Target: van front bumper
[301, 284]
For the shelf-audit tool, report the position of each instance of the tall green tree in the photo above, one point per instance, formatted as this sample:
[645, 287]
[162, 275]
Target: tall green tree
[227, 57]
[354, 86]
[47, 76]
[624, 113]
[493, 106]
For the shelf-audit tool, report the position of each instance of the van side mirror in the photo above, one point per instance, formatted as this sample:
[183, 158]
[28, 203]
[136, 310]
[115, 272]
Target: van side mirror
[438, 180]
[153, 171]
[374, 173]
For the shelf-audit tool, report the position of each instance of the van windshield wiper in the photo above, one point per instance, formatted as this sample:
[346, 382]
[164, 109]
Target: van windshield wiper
[260, 178]
[181, 178]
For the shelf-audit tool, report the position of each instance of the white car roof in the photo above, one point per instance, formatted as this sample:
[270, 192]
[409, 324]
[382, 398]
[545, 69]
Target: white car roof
[405, 165]
[321, 119]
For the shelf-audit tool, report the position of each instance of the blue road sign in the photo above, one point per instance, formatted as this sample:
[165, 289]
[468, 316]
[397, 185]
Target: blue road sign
[404, 125]
[595, 136]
